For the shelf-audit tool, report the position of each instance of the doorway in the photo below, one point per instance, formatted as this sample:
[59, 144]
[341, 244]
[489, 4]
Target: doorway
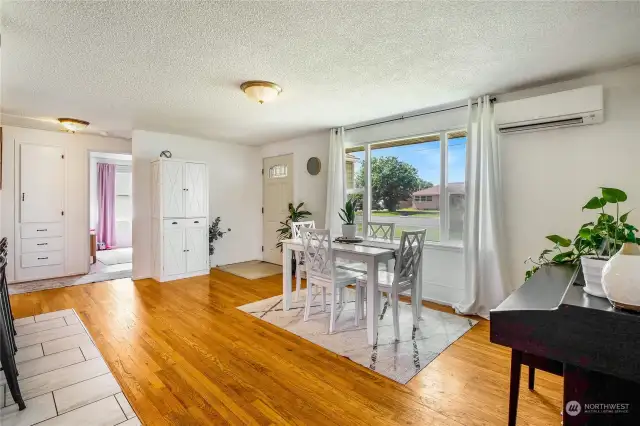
[277, 193]
[110, 215]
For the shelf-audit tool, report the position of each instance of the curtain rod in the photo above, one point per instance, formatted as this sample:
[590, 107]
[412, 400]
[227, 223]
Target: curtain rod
[492, 100]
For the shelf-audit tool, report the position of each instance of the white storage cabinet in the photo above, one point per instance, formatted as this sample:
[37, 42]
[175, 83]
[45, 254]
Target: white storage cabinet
[180, 218]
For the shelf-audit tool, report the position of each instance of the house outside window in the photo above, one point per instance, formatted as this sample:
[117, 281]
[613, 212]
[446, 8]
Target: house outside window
[403, 182]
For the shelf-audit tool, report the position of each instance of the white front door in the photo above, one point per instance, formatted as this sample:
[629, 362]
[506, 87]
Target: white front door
[173, 189]
[195, 185]
[277, 193]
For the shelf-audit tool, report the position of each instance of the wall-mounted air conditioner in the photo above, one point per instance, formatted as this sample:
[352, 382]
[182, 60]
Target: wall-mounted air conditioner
[563, 109]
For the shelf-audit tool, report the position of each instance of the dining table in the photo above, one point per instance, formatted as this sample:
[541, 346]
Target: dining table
[370, 252]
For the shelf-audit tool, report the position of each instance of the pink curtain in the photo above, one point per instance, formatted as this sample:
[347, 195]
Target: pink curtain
[106, 232]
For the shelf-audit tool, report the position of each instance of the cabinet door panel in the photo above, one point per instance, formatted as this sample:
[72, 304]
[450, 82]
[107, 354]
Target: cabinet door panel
[41, 183]
[173, 251]
[173, 189]
[197, 241]
[196, 193]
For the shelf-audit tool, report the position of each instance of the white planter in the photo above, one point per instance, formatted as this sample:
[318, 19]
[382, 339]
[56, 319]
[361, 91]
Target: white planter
[621, 278]
[349, 231]
[592, 270]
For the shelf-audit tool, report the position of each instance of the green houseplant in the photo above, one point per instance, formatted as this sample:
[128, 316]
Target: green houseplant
[595, 242]
[285, 232]
[296, 214]
[348, 216]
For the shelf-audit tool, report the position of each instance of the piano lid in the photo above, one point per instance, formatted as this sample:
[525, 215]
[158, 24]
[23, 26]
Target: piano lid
[544, 291]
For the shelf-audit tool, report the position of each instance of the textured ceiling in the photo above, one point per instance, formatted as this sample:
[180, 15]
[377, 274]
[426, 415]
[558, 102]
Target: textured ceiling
[176, 66]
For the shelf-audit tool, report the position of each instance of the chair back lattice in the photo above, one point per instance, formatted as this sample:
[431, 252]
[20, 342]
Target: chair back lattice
[296, 226]
[385, 231]
[317, 252]
[410, 258]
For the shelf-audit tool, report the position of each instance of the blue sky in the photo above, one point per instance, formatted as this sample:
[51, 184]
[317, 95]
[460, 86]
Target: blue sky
[426, 158]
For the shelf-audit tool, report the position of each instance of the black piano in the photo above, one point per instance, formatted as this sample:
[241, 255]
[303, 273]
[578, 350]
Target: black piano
[553, 325]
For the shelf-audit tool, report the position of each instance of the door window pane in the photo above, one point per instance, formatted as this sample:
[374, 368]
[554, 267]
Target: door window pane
[278, 171]
[404, 184]
[456, 162]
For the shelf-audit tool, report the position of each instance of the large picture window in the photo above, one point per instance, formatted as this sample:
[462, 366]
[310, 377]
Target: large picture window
[415, 183]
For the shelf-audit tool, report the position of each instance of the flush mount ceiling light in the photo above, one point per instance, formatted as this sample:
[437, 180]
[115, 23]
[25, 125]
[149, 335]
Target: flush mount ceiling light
[72, 124]
[261, 91]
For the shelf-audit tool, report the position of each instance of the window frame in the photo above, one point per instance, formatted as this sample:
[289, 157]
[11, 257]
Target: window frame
[444, 176]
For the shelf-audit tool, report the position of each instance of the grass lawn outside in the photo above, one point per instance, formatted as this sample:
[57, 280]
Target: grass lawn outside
[383, 213]
[433, 233]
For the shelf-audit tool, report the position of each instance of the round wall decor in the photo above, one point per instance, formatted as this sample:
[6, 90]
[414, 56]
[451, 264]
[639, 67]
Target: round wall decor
[313, 166]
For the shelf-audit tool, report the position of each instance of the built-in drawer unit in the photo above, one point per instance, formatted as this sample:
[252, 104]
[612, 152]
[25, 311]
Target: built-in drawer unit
[42, 230]
[29, 260]
[174, 223]
[33, 245]
[195, 222]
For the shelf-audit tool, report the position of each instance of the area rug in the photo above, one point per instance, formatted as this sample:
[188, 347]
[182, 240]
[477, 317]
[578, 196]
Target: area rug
[115, 256]
[31, 286]
[62, 376]
[252, 270]
[399, 361]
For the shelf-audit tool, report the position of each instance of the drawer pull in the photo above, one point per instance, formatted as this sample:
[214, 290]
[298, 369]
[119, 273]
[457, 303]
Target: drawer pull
[42, 230]
[196, 221]
[42, 244]
[174, 223]
[43, 258]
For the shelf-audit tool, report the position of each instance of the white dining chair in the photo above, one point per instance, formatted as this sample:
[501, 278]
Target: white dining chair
[295, 233]
[321, 272]
[381, 231]
[403, 278]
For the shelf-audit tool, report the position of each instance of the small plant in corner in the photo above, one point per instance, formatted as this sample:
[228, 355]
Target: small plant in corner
[215, 234]
[348, 216]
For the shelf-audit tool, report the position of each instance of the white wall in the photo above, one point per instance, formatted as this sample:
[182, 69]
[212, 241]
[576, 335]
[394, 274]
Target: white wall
[77, 148]
[549, 175]
[312, 190]
[415, 126]
[235, 183]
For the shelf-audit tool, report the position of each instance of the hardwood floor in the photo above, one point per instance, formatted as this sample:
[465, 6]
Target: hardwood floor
[184, 355]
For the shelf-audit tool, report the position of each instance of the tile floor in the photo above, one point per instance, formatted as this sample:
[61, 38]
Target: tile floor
[63, 378]
[31, 286]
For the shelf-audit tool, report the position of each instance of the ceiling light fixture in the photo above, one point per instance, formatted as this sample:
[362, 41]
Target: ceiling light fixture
[261, 91]
[73, 125]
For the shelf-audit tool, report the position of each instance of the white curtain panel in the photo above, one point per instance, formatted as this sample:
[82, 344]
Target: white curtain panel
[335, 184]
[484, 249]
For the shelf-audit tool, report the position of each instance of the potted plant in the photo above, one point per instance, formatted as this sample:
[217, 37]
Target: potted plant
[595, 243]
[215, 234]
[296, 214]
[348, 216]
